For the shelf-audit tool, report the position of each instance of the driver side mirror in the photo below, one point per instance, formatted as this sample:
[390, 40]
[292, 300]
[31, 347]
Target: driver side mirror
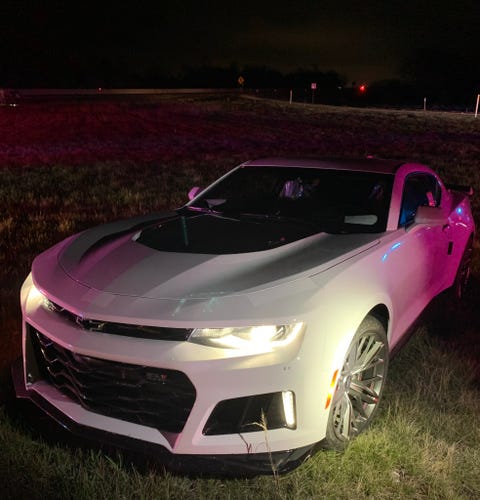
[431, 216]
[194, 192]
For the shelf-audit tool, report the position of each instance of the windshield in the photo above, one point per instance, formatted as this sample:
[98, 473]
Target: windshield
[340, 201]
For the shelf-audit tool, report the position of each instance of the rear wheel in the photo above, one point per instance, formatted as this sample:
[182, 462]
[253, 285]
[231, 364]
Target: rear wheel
[460, 285]
[359, 385]
[451, 313]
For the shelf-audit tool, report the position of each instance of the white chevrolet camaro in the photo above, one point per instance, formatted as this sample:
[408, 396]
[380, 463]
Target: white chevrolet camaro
[255, 323]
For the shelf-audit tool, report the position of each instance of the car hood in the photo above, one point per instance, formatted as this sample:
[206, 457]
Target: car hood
[173, 257]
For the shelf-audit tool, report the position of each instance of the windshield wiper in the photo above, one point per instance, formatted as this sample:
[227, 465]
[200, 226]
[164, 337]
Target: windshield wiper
[209, 211]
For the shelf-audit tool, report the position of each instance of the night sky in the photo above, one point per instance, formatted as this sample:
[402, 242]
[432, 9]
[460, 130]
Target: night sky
[360, 40]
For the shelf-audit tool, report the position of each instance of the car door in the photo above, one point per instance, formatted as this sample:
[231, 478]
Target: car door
[421, 250]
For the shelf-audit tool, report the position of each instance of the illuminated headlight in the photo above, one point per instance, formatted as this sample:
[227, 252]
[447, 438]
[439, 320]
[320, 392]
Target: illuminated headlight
[35, 294]
[256, 338]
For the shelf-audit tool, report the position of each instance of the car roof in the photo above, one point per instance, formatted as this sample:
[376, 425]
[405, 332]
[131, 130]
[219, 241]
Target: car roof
[368, 164]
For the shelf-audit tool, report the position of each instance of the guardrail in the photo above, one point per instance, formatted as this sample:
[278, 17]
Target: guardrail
[104, 91]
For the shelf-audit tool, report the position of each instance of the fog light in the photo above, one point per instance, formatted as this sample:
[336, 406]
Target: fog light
[288, 399]
[275, 410]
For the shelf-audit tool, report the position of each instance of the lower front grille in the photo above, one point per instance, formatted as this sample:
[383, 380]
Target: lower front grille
[154, 397]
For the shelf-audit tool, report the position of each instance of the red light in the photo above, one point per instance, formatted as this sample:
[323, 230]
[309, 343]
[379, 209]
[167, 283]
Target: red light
[363, 88]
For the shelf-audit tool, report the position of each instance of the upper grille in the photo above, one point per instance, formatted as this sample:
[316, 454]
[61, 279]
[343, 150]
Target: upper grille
[128, 330]
[140, 394]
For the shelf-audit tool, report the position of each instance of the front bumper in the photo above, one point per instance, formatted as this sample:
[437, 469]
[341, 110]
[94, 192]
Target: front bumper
[80, 378]
[216, 465]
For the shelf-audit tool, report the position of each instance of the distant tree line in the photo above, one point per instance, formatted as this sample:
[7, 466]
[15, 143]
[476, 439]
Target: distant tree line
[445, 79]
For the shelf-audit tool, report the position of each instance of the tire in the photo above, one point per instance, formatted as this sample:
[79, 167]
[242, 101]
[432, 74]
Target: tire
[359, 386]
[460, 285]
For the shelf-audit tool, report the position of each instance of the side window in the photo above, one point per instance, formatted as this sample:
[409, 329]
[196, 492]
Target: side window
[419, 190]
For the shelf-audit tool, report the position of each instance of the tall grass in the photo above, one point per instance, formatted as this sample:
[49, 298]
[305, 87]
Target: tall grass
[424, 444]
[67, 166]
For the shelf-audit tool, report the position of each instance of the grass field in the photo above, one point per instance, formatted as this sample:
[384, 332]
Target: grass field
[68, 165]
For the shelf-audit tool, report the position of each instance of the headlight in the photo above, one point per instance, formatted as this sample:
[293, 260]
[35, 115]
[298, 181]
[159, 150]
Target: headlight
[251, 338]
[35, 293]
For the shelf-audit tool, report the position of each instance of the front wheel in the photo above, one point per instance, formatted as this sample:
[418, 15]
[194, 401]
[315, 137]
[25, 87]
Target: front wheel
[359, 385]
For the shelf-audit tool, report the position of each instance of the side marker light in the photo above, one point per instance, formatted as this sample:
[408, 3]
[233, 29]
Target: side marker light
[331, 389]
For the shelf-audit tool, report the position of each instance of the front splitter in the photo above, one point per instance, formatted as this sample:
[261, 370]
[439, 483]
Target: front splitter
[222, 465]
